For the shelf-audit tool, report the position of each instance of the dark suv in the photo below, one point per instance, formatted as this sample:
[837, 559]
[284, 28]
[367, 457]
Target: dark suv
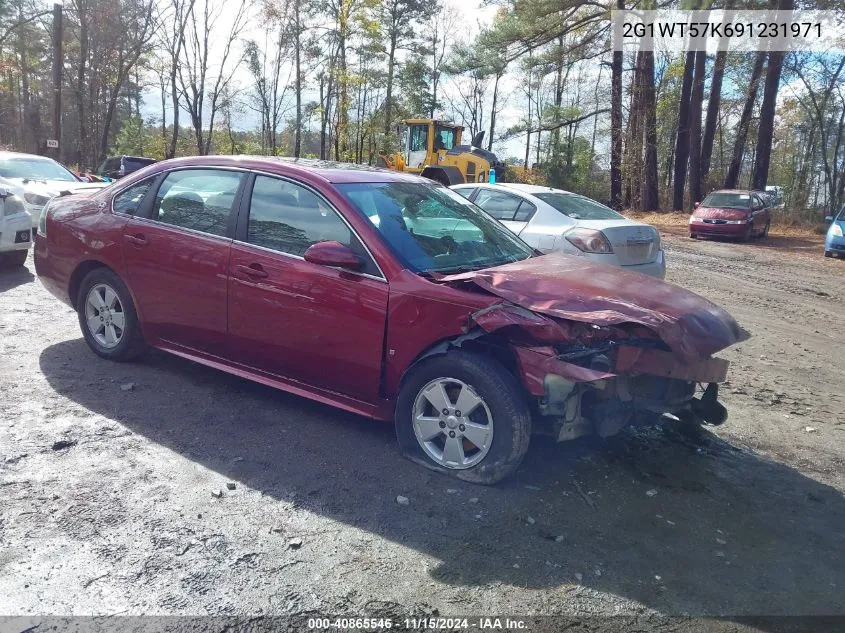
[119, 166]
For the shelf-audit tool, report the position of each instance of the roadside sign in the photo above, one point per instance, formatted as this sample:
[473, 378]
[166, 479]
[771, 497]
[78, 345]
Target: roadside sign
[51, 142]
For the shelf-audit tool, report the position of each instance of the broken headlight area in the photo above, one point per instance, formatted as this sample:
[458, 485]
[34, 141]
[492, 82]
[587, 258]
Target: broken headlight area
[602, 388]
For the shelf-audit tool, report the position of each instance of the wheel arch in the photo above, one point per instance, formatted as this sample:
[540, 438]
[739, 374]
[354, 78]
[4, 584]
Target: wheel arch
[476, 340]
[79, 273]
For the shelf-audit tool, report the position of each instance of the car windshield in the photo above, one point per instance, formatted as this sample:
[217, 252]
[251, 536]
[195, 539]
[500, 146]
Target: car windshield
[34, 169]
[433, 229]
[578, 207]
[723, 200]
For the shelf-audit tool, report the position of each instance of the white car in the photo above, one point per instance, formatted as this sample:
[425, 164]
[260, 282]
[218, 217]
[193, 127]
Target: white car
[15, 230]
[36, 179]
[553, 220]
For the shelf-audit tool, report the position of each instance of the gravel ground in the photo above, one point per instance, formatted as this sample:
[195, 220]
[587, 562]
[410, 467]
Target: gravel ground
[164, 487]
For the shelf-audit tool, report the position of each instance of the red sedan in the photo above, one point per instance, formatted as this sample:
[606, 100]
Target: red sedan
[383, 294]
[731, 213]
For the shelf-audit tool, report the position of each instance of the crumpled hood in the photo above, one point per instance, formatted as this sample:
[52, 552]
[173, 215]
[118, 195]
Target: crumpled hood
[576, 289]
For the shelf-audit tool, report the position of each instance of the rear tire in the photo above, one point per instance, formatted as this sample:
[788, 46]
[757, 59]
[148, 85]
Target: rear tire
[13, 259]
[483, 444]
[108, 318]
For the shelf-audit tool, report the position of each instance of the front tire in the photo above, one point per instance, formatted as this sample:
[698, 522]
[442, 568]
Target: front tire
[463, 414]
[828, 253]
[13, 259]
[108, 318]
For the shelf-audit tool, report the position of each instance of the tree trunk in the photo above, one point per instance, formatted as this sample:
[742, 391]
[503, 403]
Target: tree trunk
[696, 102]
[712, 120]
[735, 167]
[80, 84]
[682, 148]
[766, 126]
[650, 199]
[616, 126]
[634, 144]
[297, 133]
[388, 96]
[493, 112]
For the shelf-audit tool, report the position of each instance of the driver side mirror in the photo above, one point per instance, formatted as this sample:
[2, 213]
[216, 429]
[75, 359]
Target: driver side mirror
[696, 205]
[333, 254]
[828, 218]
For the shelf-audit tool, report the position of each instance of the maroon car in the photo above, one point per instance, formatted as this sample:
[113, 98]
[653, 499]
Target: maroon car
[731, 213]
[383, 294]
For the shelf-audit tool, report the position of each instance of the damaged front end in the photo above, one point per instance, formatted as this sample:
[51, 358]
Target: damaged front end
[600, 390]
[605, 349]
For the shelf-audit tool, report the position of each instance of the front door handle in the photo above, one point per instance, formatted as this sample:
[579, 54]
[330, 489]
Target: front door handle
[137, 240]
[253, 270]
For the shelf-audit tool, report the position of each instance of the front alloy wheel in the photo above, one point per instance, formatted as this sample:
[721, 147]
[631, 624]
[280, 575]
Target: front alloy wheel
[463, 414]
[453, 425]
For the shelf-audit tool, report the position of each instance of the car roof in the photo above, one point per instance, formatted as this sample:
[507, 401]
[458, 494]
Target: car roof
[329, 171]
[517, 186]
[734, 191]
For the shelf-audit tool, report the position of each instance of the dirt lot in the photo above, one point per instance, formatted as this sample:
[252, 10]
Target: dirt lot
[190, 491]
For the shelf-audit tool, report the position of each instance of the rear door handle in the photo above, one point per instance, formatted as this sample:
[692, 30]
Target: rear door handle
[253, 270]
[137, 240]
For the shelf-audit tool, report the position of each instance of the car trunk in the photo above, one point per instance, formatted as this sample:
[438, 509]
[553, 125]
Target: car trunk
[633, 244]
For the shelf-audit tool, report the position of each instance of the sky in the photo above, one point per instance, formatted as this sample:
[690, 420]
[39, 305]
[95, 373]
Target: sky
[475, 17]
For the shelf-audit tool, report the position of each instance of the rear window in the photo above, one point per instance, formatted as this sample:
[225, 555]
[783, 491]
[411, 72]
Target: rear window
[721, 200]
[134, 164]
[578, 207]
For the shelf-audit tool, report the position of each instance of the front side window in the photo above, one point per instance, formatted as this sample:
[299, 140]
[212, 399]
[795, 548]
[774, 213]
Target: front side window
[289, 218]
[127, 201]
[578, 207]
[197, 199]
[500, 205]
[433, 229]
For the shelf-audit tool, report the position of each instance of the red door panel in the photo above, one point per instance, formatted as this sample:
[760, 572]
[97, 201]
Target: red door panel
[311, 323]
[179, 282]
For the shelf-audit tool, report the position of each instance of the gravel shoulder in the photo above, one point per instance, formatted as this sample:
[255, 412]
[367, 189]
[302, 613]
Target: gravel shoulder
[164, 487]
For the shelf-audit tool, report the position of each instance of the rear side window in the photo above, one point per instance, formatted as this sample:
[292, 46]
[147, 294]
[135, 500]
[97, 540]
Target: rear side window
[501, 206]
[197, 199]
[127, 201]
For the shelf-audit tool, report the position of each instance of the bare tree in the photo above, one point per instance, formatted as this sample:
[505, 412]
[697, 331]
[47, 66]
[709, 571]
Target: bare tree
[209, 61]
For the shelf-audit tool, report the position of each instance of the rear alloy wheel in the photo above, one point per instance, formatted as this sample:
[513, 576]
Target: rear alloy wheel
[107, 316]
[463, 414]
[13, 259]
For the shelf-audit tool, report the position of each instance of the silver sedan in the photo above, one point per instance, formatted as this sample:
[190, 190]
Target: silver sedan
[553, 220]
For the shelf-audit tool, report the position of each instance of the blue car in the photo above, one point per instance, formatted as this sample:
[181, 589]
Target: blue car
[834, 242]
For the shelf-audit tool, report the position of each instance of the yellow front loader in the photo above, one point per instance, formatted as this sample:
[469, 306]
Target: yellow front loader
[433, 150]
